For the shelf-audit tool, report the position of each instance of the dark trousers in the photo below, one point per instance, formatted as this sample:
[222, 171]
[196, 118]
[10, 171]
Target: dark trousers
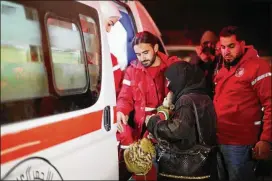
[235, 163]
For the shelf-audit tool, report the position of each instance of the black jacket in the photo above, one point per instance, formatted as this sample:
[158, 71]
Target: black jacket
[180, 131]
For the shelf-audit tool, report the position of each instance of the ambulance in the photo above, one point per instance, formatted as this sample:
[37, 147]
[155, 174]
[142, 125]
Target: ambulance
[58, 101]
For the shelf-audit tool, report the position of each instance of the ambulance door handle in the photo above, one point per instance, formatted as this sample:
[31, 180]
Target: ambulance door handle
[107, 118]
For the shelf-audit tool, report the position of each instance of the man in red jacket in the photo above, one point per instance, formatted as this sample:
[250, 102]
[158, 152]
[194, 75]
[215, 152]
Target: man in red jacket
[144, 88]
[242, 89]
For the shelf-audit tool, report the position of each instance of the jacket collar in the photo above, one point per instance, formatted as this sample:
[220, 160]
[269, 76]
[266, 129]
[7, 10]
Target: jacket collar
[250, 53]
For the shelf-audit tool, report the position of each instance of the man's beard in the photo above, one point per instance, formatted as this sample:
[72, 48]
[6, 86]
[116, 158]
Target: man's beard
[148, 63]
[233, 58]
[233, 62]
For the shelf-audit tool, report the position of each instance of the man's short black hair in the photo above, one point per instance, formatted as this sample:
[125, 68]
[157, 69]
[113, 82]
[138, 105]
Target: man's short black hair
[232, 30]
[144, 37]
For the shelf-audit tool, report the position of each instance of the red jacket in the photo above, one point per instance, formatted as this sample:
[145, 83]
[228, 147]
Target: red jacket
[240, 94]
[139, 88]
[117, 73]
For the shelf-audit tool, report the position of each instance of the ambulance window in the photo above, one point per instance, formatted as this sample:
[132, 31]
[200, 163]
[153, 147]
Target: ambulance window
[23, 75]
[69, 72]
[24, 82]
[91, 40]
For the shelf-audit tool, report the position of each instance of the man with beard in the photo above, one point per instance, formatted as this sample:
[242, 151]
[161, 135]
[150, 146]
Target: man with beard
[143, 89]
[242, 89]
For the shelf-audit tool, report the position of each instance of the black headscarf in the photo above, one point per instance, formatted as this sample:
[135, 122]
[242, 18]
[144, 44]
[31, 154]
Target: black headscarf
[185, 78]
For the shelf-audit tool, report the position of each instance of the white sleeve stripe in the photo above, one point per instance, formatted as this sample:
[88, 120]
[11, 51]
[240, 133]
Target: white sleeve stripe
[147, 109]
[127, 82]
[116, 67]
[260, 78]
[257, 123]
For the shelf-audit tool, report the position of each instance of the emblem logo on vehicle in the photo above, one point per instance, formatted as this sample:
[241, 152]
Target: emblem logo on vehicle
[33, 168]
[239, 72]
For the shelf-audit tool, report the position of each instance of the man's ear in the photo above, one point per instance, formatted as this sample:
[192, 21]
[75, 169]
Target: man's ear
[156, 48]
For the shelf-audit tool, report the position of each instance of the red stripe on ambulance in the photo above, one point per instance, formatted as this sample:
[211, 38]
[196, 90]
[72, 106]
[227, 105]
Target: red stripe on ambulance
[46, 136]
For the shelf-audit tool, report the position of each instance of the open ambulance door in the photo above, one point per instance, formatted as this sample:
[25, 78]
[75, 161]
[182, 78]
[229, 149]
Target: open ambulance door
[57, 93]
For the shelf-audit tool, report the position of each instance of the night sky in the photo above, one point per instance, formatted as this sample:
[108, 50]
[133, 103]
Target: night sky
[254, 17]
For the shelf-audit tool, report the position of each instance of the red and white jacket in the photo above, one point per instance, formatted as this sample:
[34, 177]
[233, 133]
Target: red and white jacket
[141, 93]
[117, 73]
[240, 95]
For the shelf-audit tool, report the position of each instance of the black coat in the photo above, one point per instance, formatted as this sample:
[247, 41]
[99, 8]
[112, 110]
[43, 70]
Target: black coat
[180, 131]
[187, 82]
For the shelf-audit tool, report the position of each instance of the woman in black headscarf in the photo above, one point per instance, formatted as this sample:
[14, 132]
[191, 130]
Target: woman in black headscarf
[187, 83]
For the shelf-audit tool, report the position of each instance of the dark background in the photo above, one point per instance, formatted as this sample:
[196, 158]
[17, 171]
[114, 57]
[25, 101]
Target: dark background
[193, 17]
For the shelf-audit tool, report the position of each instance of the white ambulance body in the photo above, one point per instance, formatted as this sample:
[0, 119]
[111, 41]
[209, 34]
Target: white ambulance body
[57, 89]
